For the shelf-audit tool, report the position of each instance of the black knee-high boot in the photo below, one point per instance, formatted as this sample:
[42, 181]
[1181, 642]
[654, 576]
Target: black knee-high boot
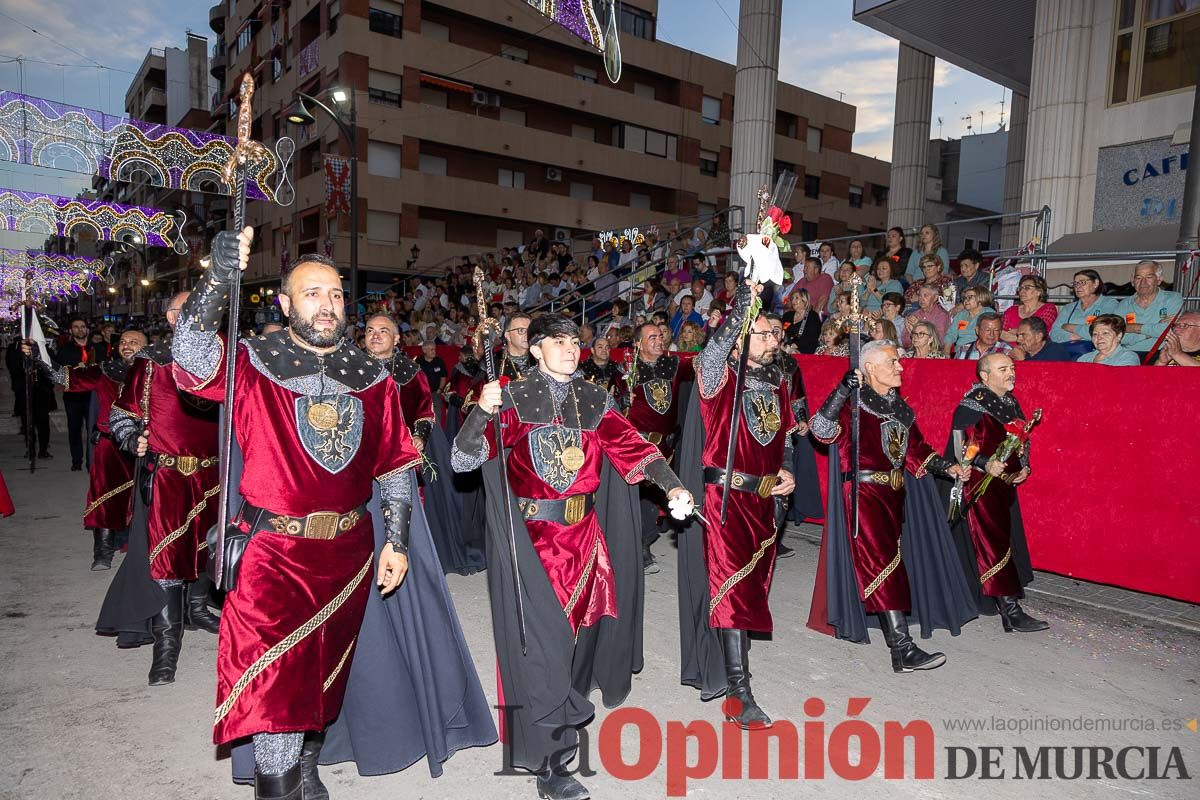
[906, 656]
[1014, 618]
[736, 645]
[167, 627]
[288, 786]
[197, 615]
[103, 547]
[314, 789]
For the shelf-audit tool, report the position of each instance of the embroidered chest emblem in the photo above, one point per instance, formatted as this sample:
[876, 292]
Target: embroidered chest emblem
[330, 429]
[894, 435]
[761, 410]
[658, 395]
[557, 455]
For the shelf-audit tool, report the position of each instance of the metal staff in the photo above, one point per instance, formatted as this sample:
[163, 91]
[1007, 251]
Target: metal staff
[854, 326]
[234, 174]
[485, 335]
[27, 313]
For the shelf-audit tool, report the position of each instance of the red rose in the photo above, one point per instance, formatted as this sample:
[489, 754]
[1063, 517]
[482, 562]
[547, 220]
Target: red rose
[785, 224]
[775, 212]
[504, 379]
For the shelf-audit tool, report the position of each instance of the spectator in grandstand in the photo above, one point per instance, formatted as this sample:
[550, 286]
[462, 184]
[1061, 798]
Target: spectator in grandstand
[858, 257]
[818, 285]
[890, 307]
[833, 339]
[801, 325]
[676, 271]
[929, 243]
[540, 245]
[975, 301]
[987, 339]
[970, 275]
[650, 299]
[932, 274]
[691, 338]
[883, 330]
[686, 313]
[1034, 344]
[829, 261]
[1149, 310]
[1032, 296]
[728, 290]
[928, 310]
[880, 282]
[845, 285]
[1181, 348]
[926, 343]
[1108, 331]
[896, 251]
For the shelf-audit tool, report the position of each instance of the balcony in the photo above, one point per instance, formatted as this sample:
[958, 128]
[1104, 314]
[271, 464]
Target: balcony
[216, 17]
[153, 97]
[309, 59]
[219, 106]
[217, 61]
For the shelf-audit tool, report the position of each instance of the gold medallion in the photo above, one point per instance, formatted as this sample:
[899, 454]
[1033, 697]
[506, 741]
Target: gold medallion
[322, 416]
[770, 421]
[571, 458]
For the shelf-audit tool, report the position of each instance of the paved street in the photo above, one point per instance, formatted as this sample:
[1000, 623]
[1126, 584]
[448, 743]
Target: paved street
[80, 721]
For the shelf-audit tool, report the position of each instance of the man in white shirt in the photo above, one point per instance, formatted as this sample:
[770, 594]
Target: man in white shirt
[701, 297]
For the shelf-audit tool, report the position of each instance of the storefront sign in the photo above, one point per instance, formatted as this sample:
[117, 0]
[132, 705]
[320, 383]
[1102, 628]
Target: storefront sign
[1139, 184]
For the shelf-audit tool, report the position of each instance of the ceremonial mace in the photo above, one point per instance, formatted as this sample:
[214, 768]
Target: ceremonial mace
[235, 176]
[486, 334]
[854, 326]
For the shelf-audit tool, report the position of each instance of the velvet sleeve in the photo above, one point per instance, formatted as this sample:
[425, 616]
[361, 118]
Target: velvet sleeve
[419, 406]
[396, 451]
[125, 416]
[626, 450]
[81, 379]
[921, 458]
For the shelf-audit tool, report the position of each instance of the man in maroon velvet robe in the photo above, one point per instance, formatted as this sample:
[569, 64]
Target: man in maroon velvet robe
[416, 399]
[560, 432]
[1000, 561]
[317, 420]
[740, 554]
[890, 445]
[110, 477]
[177, 435]
[654, 398]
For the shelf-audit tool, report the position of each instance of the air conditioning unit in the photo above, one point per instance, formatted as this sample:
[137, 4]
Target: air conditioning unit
[554, 174]
[479, 98]
[562, 234]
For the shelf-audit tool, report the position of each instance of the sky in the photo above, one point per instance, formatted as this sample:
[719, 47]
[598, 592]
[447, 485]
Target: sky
[94, 48]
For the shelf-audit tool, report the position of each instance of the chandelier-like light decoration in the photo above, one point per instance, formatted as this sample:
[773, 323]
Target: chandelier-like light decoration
[32, 212]
[43, 133]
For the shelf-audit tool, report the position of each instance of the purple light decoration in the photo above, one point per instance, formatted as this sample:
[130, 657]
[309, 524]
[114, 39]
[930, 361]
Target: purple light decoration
[44, 133]
[33, 212]
[575, 16]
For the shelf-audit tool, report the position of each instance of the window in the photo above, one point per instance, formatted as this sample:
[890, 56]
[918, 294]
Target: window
[705, 211]
[383, 159]
[641, 140]
[384, 87]
[656, 144]
[856, 197]
[708, 163]
[513, 116]
[808, 231]
[245, 36]
[520, 55]
[385, 22]
[814, 139]
[505, 238]
[508, 177]
[710, 110]
[632, 21]
[643, 90]
[435, 31]
[434, 97]
[383, 226]
[432, 165]
[581, 191]
[585, 132]
[1156, 49]
[638, 200]
[879, 194]
[335, 11]
[431, 229]
[812, 186]
[586, 74]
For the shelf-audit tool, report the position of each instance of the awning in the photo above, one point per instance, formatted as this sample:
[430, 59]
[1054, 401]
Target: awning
[446, 83]
[1114, 269]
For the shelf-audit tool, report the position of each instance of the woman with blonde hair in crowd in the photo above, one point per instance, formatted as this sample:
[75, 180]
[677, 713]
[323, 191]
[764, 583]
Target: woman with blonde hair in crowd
[925, 341]
[833, 339]
[929, 243]
[882, 330]
[691, 339]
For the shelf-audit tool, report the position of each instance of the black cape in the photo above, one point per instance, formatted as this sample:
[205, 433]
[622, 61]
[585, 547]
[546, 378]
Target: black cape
[702, 661]
[445, 511]
[806, 497]
[545, 690]
[412, 692]
[941, 597]
[964, 417]
[133, 597]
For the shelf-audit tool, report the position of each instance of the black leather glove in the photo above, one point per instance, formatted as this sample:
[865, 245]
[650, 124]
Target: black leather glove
[840, 394]
[224, 257]
[850, 381]
[397, 515]
[741, 298]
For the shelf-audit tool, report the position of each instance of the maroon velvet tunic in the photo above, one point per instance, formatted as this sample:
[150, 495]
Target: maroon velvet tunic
[989, 518]
[416, 400]
[575, 556]
[288, 630]
[885, 444]
[183, 506]
[110, 477]
[741, 556]
[655, 401]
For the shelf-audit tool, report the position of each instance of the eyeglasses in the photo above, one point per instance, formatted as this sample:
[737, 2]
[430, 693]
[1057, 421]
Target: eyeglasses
[1187, 324]
[922, 334]
[517, 330]
[1085, 282]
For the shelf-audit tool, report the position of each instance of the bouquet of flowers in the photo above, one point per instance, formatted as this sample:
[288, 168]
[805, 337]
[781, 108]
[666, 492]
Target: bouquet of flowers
[1016, 436]
[956, 494]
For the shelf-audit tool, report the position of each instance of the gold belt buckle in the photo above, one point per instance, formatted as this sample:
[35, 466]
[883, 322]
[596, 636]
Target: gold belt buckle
[321, 525]
[897, 479]
[654, 438]
[737, 481]
[529, 509]
[187, 465]
[575, 508]
[766, 484]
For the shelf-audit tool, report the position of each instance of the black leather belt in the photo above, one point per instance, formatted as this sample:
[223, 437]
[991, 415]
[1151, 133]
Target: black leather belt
[317, 525]
[186, 465]
[567, 511]
[760, 485]
[893, 478]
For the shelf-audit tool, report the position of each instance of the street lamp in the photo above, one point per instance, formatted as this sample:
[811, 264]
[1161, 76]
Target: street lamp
[299, 114]
[415, 252]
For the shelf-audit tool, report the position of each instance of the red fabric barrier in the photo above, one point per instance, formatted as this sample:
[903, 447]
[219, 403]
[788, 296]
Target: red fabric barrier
[1110, 497]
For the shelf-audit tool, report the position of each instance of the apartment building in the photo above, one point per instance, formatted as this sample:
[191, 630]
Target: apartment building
[477, 123]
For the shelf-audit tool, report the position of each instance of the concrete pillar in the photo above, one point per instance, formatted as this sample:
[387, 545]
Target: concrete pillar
[754, 104]
[910, 138]
[1062, 37]
[1014, 171]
